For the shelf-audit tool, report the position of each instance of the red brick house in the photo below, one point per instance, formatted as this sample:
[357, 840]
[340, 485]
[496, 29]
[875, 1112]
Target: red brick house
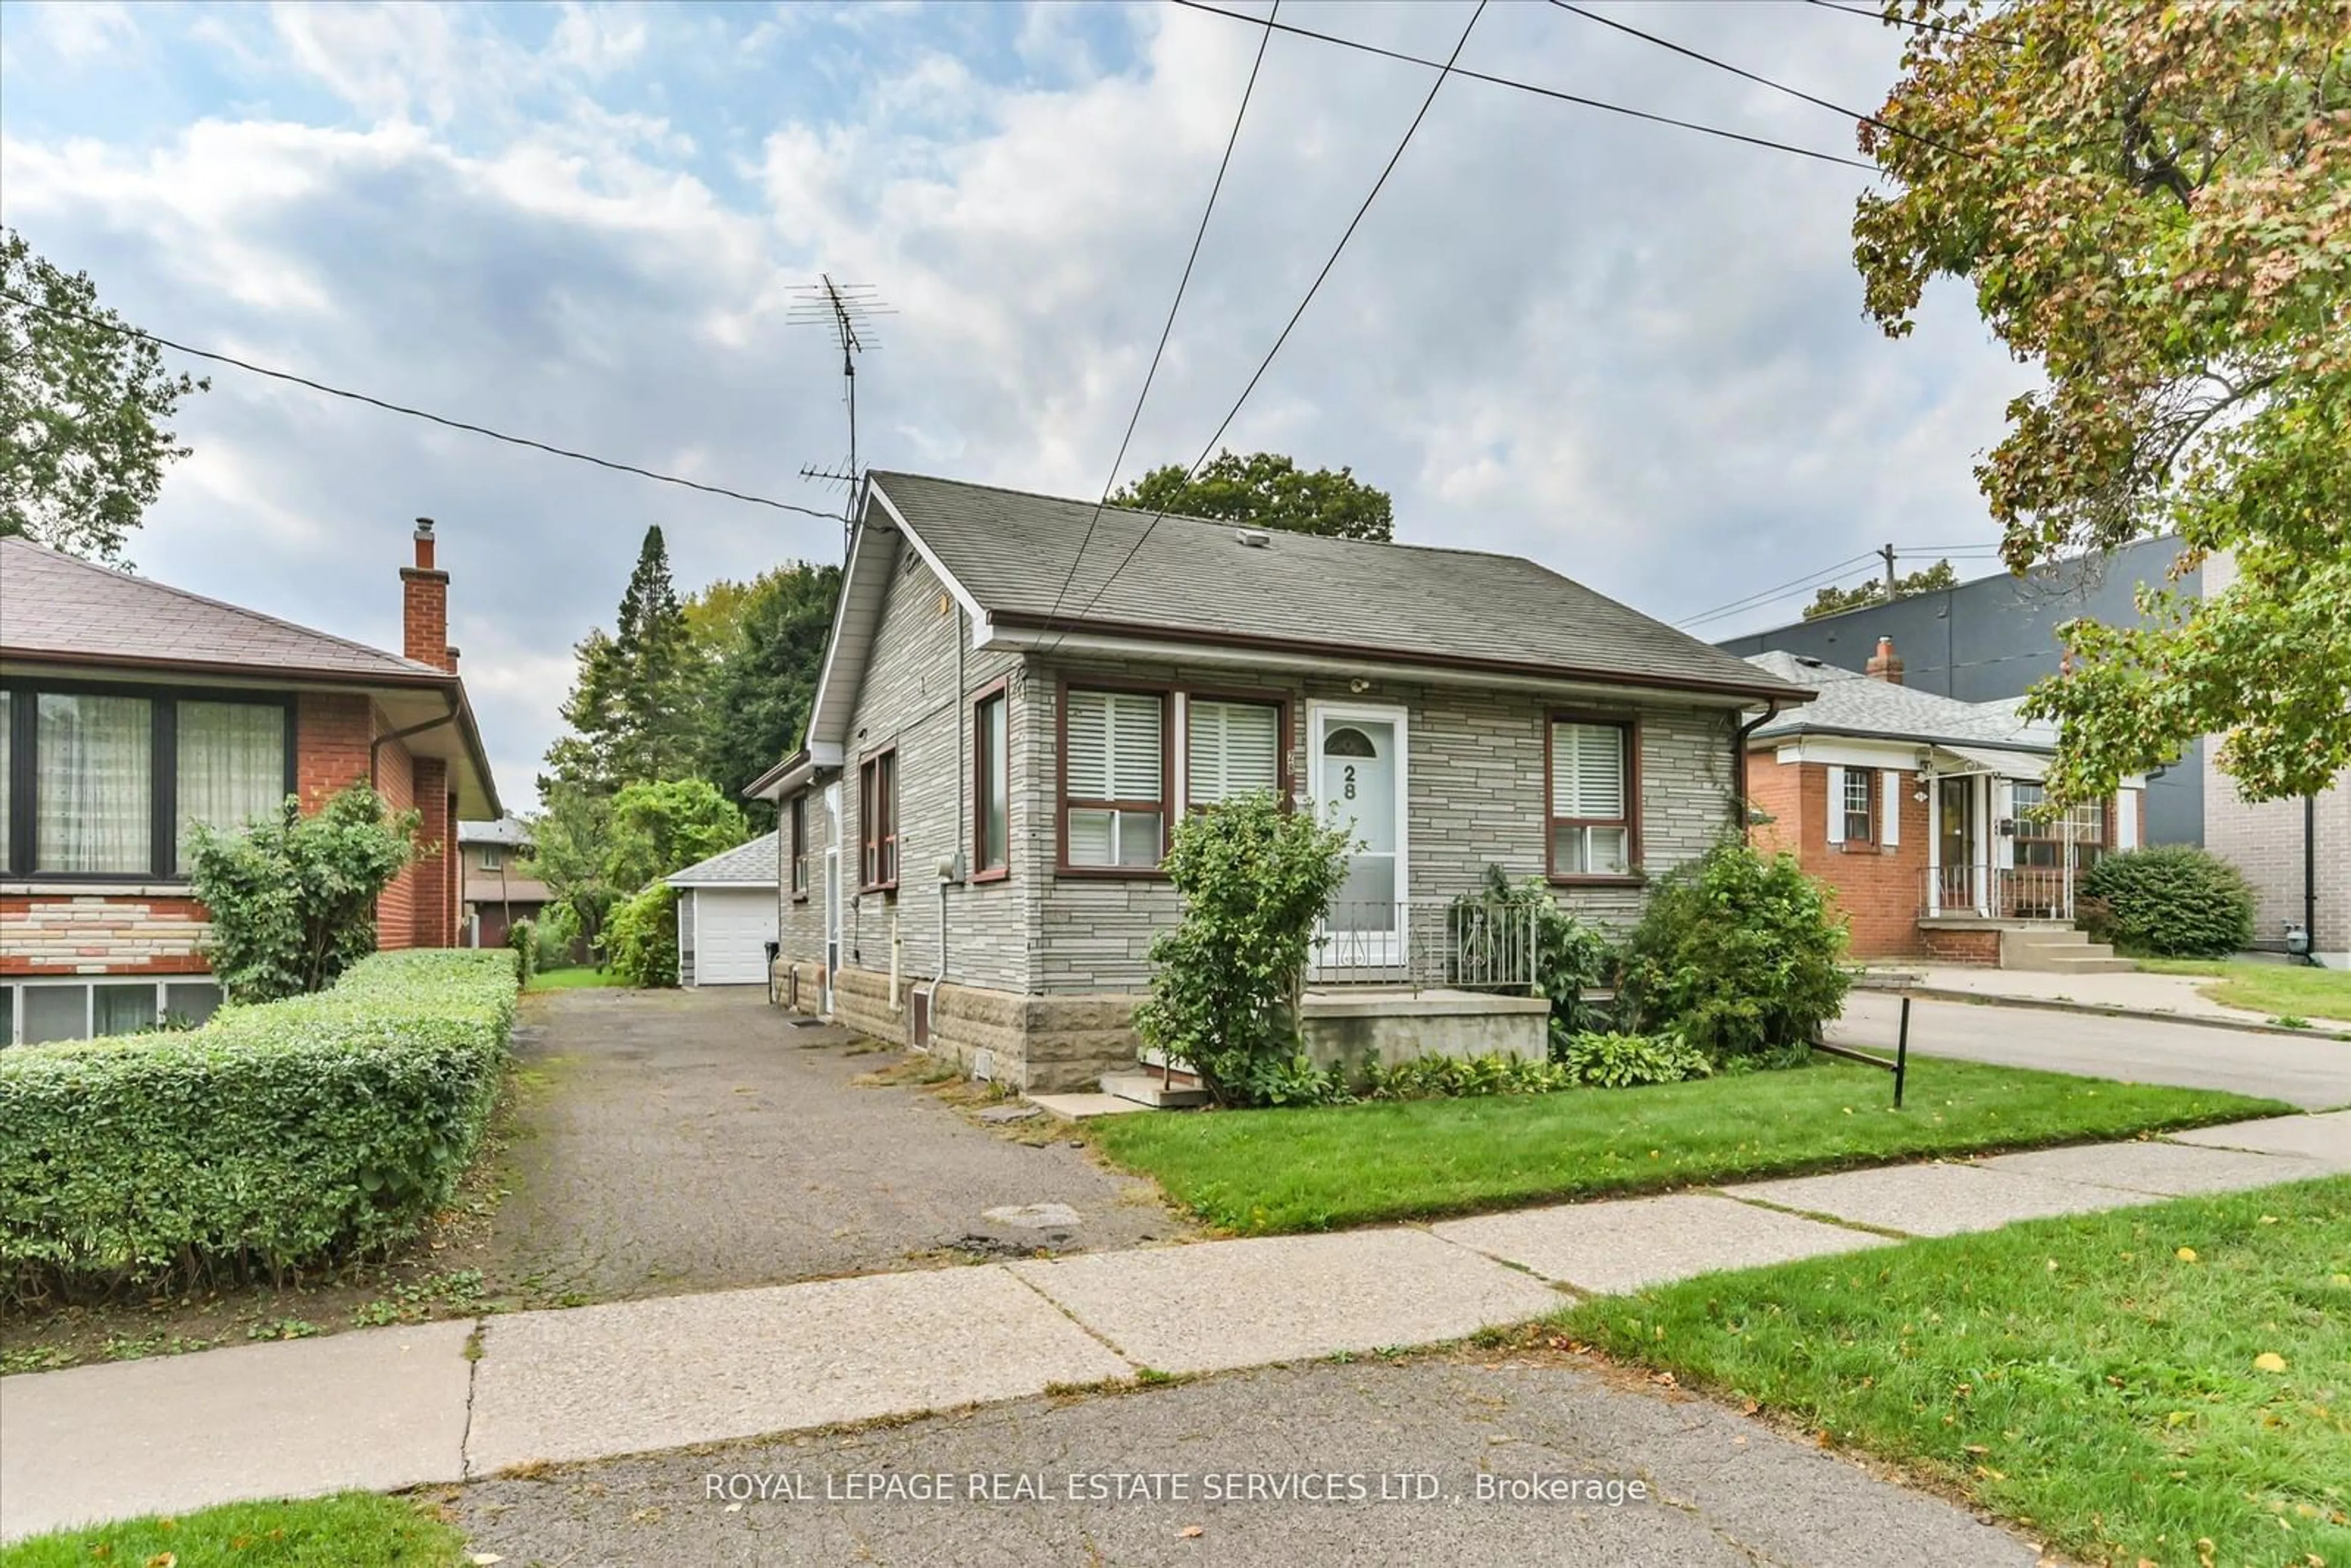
[129, 710]
[1925, 814]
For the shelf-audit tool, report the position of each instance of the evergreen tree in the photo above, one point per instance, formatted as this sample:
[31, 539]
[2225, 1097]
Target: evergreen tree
[765, 677]
[635, 709]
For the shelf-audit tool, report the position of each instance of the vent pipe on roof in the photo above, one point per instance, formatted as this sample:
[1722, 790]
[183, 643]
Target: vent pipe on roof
[1255, 539]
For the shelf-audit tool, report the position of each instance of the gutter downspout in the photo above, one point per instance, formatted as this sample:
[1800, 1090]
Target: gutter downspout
[1740, 805]
[952, 871]
[375, 747]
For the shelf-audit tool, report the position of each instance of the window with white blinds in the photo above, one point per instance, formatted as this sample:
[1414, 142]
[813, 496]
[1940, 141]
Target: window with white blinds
[1114, 779]
[1591, 816]
[1231, 749]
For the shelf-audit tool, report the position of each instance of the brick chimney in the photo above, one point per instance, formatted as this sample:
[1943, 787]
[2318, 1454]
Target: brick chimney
[1885, 665]
[425, 607]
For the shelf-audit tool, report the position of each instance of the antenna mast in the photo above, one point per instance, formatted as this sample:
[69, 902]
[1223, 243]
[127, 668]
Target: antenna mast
[848, 310]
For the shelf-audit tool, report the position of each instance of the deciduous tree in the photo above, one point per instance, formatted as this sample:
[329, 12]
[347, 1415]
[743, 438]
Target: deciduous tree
[84, 409]
[1268, 490]
[2153, 204]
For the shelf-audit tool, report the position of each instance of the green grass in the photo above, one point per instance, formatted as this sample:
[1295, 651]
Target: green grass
[355, 1530]
[576, 979]
[1260, 1172]
[2082, 1376]
[2294, 990]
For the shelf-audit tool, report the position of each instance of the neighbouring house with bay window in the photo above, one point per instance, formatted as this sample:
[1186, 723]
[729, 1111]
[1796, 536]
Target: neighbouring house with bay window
[1022, 694]
[131, 710]
[1928, 818]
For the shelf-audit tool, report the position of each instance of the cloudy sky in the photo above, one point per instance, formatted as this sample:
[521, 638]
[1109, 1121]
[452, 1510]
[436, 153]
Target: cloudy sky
[1632, 352]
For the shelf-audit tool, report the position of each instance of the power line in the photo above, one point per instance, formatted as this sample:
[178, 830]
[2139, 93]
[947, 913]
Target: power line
[1530, 86]
[1443, 72]
[130, 331]
[1794, 585]
[1855, 114]
[1248, 91]
[1916, 24]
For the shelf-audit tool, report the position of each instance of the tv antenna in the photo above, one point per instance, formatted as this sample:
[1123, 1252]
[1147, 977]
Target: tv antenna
[848, 310]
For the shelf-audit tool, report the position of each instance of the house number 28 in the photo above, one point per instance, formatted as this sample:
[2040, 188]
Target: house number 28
[1350, 775]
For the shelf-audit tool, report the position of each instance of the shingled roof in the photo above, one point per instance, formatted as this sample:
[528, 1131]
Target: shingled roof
[1197, 579]
[751, 864]
[1853, 704]
[58, 606]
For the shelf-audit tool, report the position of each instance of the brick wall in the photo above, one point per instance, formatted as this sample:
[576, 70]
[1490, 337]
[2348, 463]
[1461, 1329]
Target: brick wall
[2264, 841]
[1878, 888]
[435, 910]
[396, 910]
[101, 934]
[332, 732]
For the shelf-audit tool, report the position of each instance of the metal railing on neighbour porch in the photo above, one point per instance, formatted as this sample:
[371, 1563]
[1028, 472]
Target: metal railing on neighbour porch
[1466, 944]
[2001, 893]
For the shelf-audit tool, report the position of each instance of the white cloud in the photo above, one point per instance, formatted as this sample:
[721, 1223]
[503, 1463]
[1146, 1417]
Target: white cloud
[1632, 352]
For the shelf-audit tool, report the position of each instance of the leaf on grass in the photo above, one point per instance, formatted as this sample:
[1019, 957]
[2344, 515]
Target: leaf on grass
[2269, 1361]
[2186, 1254]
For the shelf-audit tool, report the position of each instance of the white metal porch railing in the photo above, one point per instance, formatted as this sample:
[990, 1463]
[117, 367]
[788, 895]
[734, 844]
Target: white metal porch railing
[1466, 944]
[2000, 893]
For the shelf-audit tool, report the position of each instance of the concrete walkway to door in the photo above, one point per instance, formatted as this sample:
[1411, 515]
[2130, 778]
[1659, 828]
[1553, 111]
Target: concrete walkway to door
[674, 1141]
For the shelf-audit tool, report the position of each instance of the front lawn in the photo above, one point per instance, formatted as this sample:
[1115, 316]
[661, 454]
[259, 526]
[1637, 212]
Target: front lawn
[2169, 1385]
[355, 1530]
[2282, 990]
[1260, 1172]
[579, 978]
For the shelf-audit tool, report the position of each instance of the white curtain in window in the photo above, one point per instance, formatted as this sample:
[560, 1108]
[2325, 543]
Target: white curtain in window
[1233, 749]
[96, 784]
[232, 766]
[1587, 770]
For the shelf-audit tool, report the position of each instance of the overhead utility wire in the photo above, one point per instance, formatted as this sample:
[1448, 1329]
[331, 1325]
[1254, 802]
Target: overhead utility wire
[1442, 73]
[131, 331]
[1886, 126]
[1916, 24]
[1530, 86]
[1794, 585]
[1200, 234]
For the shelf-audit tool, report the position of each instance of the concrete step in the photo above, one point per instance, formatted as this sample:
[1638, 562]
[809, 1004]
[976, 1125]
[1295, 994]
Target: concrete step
[2053, 936]
[2107, 964]
[1145, 1089]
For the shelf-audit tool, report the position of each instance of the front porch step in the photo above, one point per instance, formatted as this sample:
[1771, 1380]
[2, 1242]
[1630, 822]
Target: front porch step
[1147, 1089]
[2059, 950]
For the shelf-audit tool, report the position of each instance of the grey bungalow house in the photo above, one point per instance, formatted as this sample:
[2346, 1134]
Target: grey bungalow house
[971, 836]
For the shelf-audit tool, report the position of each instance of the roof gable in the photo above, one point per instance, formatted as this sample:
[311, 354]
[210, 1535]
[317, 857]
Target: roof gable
[755, 862]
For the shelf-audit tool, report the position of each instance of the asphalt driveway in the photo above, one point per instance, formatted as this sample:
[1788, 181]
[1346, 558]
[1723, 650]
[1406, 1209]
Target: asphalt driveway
[2314, 1073]
[698, 1139]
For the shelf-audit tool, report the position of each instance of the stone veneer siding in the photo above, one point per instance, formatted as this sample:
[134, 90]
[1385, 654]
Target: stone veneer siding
[64, 933]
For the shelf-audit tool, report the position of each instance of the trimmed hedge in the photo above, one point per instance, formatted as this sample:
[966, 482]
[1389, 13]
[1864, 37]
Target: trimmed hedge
[276, 1136]
[2175, 901]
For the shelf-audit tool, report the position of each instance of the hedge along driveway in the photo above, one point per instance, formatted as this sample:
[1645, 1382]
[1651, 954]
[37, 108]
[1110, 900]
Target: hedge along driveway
[1261, 1171]
[274, 1136]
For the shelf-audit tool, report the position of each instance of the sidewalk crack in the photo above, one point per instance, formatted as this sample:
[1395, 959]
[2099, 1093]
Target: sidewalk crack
[1083, 1327]
[476, 1344]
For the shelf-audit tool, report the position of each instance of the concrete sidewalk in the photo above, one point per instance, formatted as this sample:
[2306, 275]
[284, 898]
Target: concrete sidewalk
[2168, 998]
[395, 1407]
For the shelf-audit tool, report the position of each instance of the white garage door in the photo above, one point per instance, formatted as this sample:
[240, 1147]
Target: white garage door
[731, 931]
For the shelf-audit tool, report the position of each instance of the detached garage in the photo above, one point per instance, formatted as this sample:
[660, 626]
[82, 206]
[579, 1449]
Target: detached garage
[727, 915]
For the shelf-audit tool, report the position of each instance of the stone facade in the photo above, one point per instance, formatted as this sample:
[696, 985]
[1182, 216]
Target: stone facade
[63, 932]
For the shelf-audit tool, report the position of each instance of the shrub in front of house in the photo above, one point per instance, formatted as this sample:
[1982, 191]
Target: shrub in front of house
[641, 939]
[292, 898]
[523, 937]
[1226, 977]
[1740, 954]
[1604, 1061]
[2174, 900]
[276, 1136]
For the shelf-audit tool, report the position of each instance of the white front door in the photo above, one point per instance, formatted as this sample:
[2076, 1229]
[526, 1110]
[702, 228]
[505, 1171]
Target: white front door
[1356, 763]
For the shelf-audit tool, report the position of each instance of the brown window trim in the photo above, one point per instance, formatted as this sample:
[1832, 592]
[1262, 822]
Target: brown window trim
[796, 873]
[869, 846]
[1285, 780]
[1630, 726]
[1166, 695]
[1001, 687]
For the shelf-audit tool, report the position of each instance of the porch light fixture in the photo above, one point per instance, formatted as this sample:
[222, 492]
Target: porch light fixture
[1359, 686]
